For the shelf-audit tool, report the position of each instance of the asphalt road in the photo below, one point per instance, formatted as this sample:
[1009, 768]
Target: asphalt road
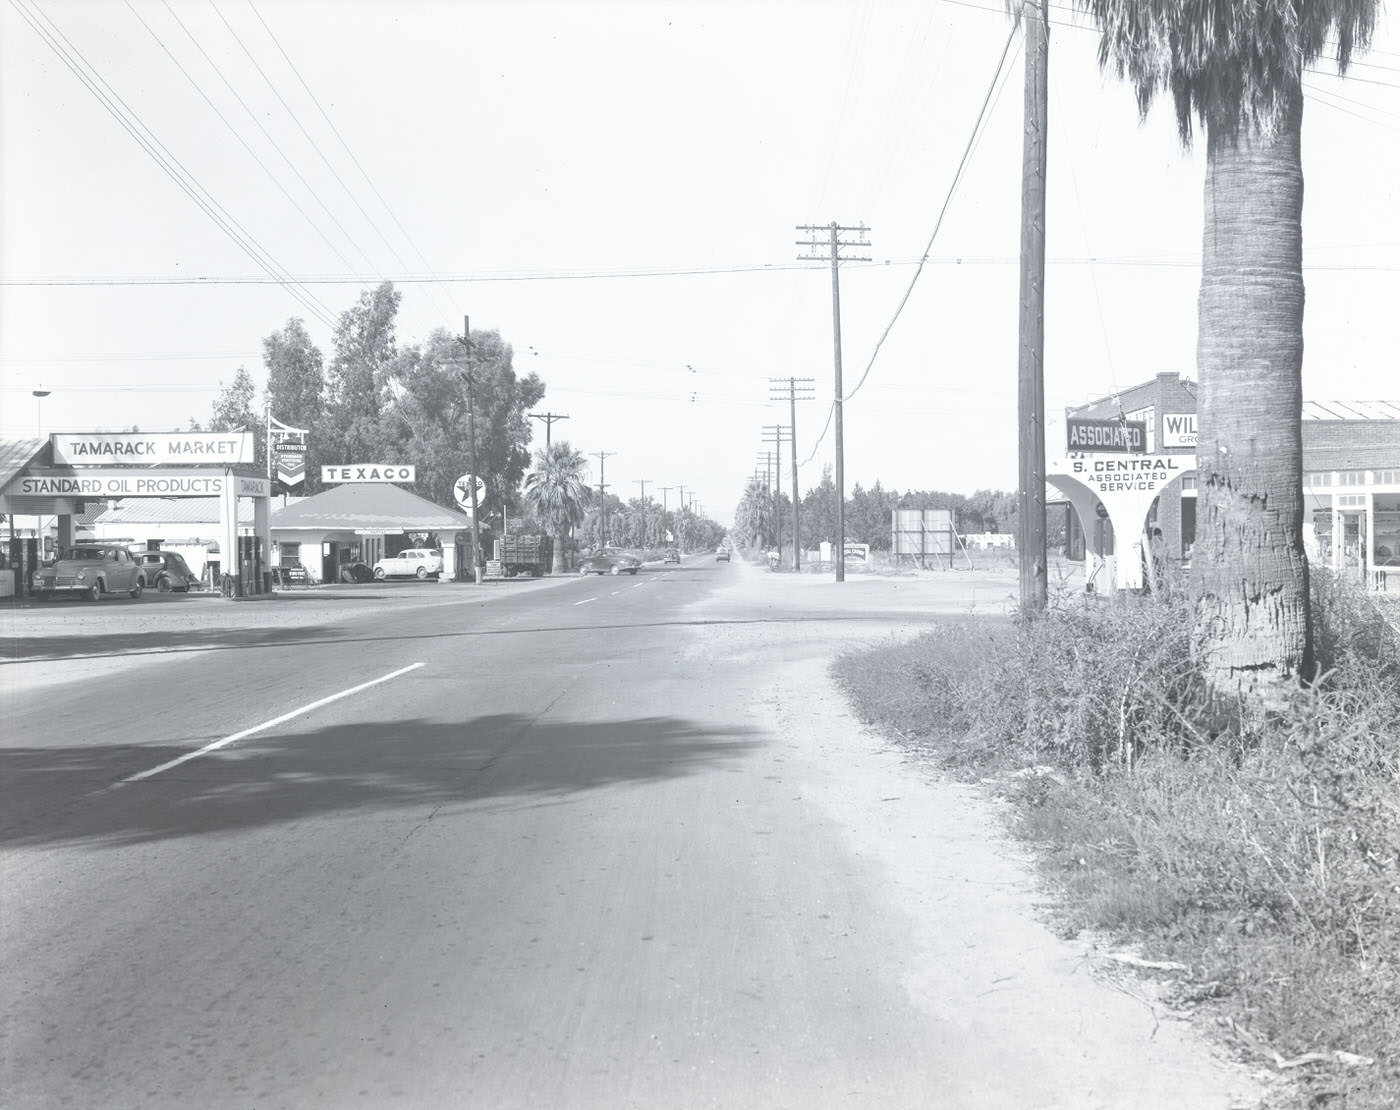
[590, 843]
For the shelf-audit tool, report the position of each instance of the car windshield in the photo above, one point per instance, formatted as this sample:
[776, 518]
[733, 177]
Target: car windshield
[83, 553]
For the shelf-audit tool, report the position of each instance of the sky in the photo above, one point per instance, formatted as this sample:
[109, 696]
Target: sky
[617, 187]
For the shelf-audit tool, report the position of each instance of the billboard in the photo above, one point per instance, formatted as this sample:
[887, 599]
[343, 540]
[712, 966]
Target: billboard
[922, 535]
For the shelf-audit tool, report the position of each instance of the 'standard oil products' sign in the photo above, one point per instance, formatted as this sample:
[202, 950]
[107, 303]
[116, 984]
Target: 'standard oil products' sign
[151, 448]
[109, 483]
[368, 472]
[1099, 436]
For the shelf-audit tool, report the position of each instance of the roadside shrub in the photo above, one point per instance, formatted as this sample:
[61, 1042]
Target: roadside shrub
[1267, 862]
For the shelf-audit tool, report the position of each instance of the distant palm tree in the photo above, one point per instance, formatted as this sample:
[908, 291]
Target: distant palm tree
[1237, 68]
[557, 492]
[751, 518]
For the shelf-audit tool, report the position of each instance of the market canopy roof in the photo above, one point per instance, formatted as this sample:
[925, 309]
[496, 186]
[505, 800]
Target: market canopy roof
[368, 505]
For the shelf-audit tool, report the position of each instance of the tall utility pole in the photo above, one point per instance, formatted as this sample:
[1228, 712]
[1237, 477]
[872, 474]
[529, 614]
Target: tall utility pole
[465, 339]
[831, 249]
[680, 528]
[797, 389]
[602, 457]
[664, 510]
[549, 418]
[777, 435]
[643, 502]
[1030, 524]
[765, 458]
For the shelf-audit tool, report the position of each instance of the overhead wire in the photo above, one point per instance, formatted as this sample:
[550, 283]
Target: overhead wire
[169, 164]
[315, 146]
[234, 130]
[330, 123]
[977, 128]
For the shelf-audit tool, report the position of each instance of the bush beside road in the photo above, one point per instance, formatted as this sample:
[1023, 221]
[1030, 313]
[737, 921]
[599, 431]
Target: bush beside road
[1259, 871]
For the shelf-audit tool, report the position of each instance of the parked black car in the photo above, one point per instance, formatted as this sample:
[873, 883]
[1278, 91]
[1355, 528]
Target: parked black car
[167, 571]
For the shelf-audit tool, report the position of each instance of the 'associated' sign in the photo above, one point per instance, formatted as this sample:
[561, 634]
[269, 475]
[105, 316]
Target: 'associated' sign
[1104, 436]
[151, 448]
[368, 472]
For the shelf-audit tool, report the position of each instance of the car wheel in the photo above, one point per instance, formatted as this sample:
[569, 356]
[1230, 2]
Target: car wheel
[615, 569]
[93, 592]
[422, 573]
[164, 585]
[137, 590]
[583, 572]
[379, 573]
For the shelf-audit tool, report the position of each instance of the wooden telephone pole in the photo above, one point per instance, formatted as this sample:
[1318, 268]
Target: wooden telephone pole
[1030, 522]
[831, 249]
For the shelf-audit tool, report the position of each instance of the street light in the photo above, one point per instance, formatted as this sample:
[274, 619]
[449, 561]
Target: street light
[39, 395]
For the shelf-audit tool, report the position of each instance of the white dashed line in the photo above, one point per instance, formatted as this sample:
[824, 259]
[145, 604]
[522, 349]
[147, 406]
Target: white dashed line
[227, 740]
[585, 601]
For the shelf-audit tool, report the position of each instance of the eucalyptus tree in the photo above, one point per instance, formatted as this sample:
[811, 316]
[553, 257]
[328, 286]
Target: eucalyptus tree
[1236, 69]
[424, 418]
[557, 492]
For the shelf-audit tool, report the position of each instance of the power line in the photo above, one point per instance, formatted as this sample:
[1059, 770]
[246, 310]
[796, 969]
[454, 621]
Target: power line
[131, 122]
[314, 146]
[947, 201]
[351, 154]
[233, 130]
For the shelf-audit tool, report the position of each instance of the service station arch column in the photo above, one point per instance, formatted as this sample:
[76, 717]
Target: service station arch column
[1126, 486]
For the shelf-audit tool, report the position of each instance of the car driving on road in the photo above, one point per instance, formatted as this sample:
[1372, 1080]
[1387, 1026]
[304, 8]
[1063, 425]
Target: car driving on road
[610, 563]
[91, 570]
[721, 554]
[416, 562]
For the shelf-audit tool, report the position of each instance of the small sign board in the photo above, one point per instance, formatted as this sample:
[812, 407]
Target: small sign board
[1179, 429]
[1103, 437]
[462, 491]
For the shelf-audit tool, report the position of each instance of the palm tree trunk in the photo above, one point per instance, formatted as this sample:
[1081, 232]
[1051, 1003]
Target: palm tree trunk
[1252, 633]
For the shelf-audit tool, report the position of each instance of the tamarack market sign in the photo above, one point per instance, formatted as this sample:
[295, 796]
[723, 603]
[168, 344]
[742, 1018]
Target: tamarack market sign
[151, 448]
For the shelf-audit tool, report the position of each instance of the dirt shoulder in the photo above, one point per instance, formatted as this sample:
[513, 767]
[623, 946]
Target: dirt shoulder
[1071, 1027]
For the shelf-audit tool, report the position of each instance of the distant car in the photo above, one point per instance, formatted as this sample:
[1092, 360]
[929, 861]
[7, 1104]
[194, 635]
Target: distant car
[356, 572]
[91, 570]
[166, 571]
[416, 562]
[721, 554]
[608, 563]
[672, 555]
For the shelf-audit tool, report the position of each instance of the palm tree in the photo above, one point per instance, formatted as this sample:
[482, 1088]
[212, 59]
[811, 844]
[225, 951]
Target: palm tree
[557, 492]
[1237, 68]
[751, 518]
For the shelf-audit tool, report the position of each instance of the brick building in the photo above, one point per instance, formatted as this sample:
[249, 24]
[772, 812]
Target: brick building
[1351, 481]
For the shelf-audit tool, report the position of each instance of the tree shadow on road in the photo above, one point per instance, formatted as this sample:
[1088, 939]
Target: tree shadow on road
[77, 796]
